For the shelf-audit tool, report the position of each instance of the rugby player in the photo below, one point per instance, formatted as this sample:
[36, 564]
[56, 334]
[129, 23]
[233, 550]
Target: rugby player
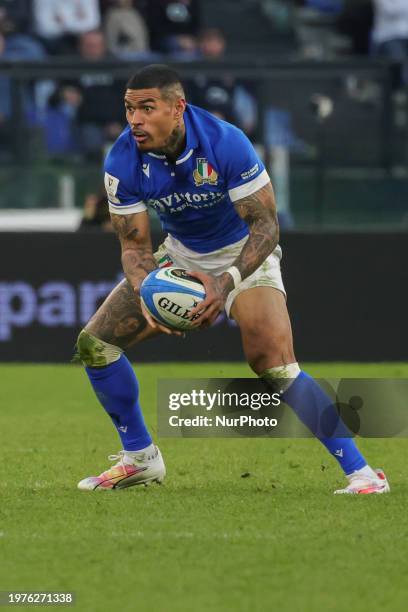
[216, 203]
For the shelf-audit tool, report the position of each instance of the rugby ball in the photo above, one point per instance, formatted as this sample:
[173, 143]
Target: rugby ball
[169, 294]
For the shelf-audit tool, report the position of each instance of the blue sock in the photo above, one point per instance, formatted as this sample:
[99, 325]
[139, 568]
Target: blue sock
[316, 410]
[117, 389]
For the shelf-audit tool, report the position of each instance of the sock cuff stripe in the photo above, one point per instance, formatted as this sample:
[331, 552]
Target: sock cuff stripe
[290, 370]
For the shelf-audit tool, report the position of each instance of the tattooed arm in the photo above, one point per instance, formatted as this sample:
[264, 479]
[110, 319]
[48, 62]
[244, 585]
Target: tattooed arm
[259, 212]
[137, 255]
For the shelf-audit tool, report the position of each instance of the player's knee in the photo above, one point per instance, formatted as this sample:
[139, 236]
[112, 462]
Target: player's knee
[257, 360]
[264, 360]
[265, 351]
[96, 353]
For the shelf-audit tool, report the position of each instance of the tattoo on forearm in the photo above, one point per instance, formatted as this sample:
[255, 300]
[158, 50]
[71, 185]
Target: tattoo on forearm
[259, 212]
[137, 264]
[137, 256]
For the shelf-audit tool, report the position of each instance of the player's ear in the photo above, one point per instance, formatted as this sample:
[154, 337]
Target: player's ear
[180, 107]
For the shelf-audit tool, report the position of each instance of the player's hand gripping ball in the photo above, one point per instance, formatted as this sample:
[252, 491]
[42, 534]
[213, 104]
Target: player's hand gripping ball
[169, 294]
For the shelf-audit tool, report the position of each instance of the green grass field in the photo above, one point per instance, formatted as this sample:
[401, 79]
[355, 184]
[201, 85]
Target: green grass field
[208, 539]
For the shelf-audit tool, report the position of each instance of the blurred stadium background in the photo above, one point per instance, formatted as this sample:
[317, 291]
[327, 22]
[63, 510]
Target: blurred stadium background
[320, 87]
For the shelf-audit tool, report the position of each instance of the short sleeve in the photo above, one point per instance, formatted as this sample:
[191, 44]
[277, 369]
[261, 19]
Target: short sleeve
[244, 171]
[122, 200]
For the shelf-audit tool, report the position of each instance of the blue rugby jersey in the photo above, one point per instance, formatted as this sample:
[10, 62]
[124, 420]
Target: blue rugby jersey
[193, 197]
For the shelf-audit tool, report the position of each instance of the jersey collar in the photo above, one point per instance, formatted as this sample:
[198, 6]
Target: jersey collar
[191, 141]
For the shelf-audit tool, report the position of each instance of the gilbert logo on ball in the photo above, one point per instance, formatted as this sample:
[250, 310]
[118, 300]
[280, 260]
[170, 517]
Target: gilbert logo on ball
[169, 295]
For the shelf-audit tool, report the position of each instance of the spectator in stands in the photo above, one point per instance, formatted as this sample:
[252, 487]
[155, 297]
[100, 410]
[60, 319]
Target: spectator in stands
[222, 96]
[173, 24]
[390, 34]
[101, 113]
[58, 23]
[92, 46]
[15, 16]
[14, 25]
[96, 215]
[59, 121]
[212, 44]
[125, 30]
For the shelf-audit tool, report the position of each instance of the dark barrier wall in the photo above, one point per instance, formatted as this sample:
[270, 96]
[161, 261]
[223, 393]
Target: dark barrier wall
[347, 296]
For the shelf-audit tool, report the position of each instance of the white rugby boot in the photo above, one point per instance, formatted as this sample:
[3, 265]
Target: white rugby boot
[131, 469]
[364, 485]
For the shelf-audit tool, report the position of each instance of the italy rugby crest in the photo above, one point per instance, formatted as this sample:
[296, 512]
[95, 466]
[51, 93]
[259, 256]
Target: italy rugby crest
[204, 173]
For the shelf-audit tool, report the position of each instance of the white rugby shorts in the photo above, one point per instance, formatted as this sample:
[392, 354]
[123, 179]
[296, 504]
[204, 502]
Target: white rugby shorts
[173, 252]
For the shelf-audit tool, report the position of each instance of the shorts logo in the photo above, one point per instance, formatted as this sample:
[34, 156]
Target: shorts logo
[204, 173]
[165, 261]
[111, 186]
